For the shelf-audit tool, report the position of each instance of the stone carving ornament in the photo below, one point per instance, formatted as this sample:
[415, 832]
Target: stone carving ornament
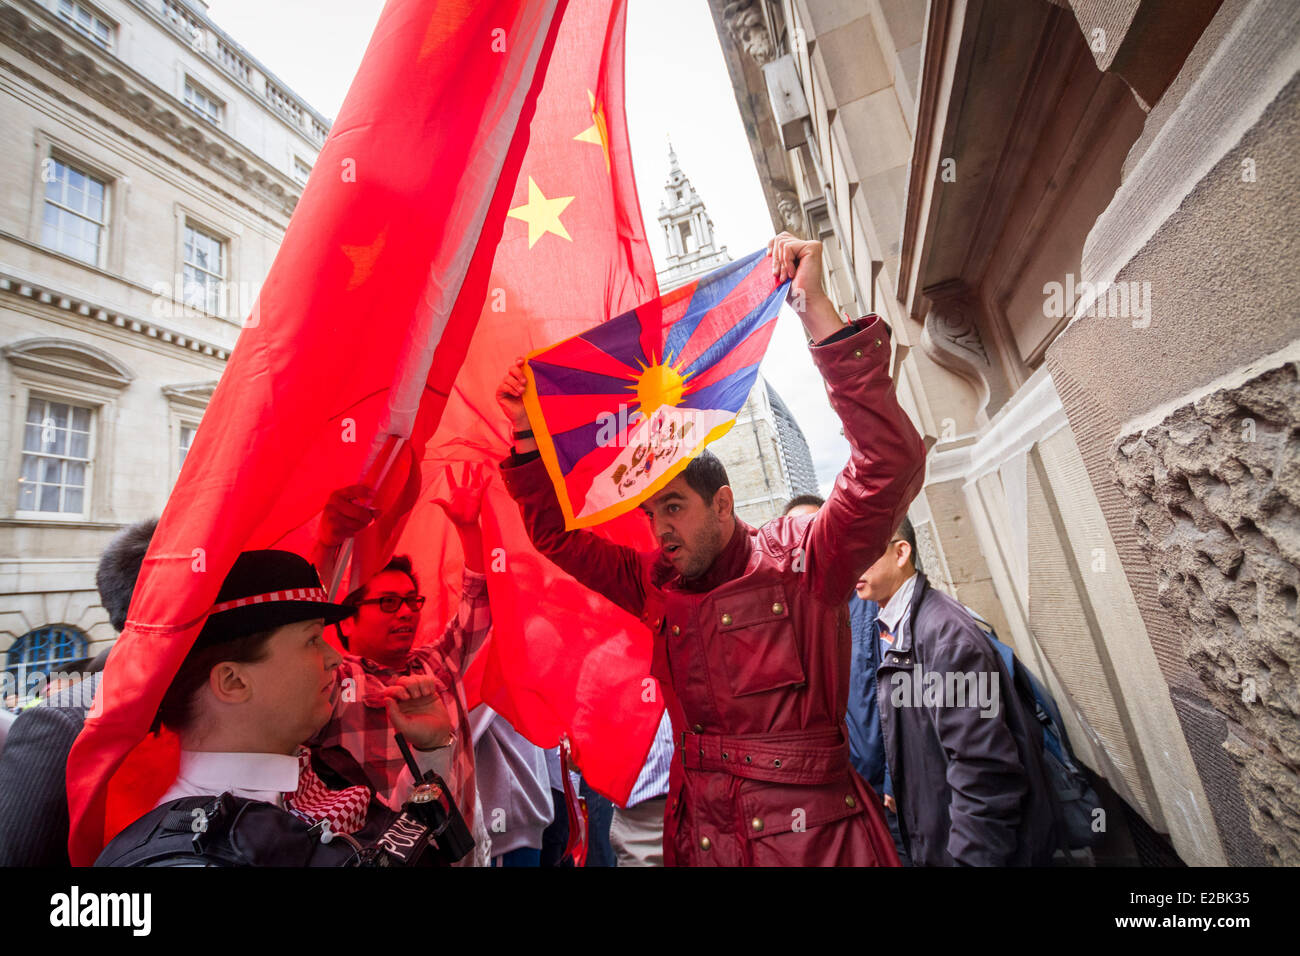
[952, 338]
[744, 20]
[791, 212]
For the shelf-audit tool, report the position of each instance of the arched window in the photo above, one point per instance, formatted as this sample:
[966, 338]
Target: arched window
[31, 659]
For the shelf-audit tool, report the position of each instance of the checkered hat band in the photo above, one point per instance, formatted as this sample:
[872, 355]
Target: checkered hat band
[297, 594]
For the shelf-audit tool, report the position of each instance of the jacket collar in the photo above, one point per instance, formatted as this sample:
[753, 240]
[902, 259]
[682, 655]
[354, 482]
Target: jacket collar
[903, 640]
[730, 564]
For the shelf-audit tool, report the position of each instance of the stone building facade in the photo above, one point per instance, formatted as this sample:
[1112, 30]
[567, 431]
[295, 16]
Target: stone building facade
[765, 452]
[151, 169]
[1079, 217]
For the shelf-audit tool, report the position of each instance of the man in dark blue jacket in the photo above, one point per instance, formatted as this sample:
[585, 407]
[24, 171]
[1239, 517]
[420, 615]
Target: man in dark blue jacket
[964, 754]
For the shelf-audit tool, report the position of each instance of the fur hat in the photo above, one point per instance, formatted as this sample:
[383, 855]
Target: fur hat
[119, 566]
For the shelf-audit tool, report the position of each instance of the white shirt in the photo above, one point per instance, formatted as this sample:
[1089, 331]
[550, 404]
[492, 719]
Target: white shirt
[896, 608]
[265, 777]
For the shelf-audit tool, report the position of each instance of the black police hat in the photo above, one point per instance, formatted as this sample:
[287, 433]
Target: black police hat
[265, 590]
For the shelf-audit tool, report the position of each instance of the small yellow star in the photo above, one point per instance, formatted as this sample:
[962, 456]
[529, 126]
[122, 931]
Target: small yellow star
[541, 214]
[597, 132]
[363, 260]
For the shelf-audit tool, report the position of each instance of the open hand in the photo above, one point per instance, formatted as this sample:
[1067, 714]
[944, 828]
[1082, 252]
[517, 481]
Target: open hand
[463, 498]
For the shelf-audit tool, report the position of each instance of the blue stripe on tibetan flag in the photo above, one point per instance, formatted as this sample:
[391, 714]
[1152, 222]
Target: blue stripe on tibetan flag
[619, 410]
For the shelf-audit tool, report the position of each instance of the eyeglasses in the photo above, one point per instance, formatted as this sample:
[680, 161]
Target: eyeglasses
[389, 603]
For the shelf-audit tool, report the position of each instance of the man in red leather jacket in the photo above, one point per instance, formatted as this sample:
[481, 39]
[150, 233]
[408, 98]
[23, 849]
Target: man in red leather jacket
[751, 634]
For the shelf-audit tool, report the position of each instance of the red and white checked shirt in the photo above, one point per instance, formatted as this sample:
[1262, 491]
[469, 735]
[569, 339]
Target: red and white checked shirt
[360, 724]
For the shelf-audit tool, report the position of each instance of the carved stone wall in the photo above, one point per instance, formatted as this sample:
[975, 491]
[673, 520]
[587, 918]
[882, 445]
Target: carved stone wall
[1215, 489]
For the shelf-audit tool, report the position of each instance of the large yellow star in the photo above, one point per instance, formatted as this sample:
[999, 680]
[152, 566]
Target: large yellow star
[541, 214]
[597, 132]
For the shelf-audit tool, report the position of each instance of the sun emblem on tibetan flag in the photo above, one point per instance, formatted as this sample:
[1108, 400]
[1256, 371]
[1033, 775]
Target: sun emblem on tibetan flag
[619, 410]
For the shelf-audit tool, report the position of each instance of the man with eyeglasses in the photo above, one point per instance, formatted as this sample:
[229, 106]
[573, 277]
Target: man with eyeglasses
[358, 743]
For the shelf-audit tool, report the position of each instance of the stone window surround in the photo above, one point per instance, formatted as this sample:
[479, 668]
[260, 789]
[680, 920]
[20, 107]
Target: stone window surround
[34, 374]
[185, 407]
[228, 231]
[96, 14]
[40, 453]
[190, 86]
[88, 158]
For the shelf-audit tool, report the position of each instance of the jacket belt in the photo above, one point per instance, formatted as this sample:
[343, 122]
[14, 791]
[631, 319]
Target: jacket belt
[797, 757]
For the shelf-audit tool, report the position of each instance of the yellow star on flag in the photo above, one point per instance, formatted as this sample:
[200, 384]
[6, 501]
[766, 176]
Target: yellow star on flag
[363, 260]
[541, 214]
[597, 132]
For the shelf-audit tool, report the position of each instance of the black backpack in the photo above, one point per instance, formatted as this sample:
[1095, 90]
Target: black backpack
[234, 831]
[1075, 795]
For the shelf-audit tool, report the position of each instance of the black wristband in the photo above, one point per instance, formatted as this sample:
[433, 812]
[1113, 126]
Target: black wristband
[523, 433]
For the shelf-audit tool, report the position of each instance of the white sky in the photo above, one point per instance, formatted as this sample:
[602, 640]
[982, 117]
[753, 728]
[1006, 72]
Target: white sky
[677, 85]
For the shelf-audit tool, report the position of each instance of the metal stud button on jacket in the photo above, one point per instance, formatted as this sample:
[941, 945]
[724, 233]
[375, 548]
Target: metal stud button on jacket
[754, 654]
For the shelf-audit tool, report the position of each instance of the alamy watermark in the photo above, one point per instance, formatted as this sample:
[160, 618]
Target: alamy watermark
[234, 301]
[70, 688]
[948, 689]
[1115, 300]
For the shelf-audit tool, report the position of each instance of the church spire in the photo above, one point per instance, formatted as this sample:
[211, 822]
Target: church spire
[688, 230]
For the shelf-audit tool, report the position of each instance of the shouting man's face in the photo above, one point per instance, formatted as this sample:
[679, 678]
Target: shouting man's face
[691, 531]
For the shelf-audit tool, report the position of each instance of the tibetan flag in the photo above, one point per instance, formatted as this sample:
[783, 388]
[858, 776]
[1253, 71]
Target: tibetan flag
[619, 410]
[344, 368]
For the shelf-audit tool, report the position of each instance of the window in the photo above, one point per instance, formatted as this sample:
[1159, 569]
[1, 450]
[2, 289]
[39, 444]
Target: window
[202, 102]
[91, 25]
[76, 211]
[187, 439]
[687, 237]
[31, 659]
[301, 170]
[56, 458]
[205, 270]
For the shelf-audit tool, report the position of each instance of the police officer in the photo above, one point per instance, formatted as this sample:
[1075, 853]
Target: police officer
[259, 681]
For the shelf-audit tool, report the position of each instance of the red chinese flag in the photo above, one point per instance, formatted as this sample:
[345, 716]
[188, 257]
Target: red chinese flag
[351, 349]
[562, 659]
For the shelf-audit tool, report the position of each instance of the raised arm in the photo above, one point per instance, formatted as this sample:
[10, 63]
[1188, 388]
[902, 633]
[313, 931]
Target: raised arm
[461, 499]
[887, 461]
[609, 569]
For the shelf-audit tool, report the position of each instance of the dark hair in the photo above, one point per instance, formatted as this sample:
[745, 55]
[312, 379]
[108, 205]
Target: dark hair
[177, 707]
[398, 562]
[119, 566]
[908, 534]
[815, 500]
[705, 475]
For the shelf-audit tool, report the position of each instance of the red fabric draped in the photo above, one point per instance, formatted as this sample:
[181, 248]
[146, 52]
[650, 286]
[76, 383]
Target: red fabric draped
[562, 659]
[365, 314]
